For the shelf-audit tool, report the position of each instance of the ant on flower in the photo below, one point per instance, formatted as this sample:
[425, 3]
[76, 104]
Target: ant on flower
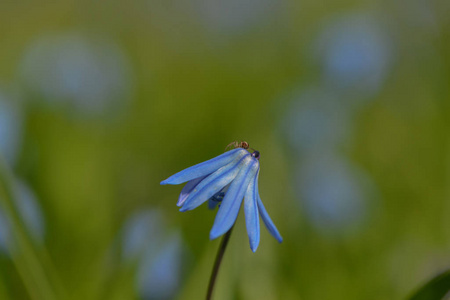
[236, 144]
[244, 145]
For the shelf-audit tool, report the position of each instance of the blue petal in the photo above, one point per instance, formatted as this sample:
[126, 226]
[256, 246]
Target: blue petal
[187, 189]
[205, 168]
[252, 215]
[266, 219]
[212, 184]
[229, 209]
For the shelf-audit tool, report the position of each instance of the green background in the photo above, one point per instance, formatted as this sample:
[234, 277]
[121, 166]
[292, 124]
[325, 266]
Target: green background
[194, 76]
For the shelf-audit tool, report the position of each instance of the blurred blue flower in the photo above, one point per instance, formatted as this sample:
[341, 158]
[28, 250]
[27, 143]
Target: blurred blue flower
[11, 128]
[316, 118]
[226, 179]
[29, 210]
[355, 52]
[336, 194]
[235, 16]
[160, 274]
[89, 77]
[4, 232]
[138, 230]
[158, 253]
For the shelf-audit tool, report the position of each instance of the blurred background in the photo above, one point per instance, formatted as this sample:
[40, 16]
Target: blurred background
[347, 101]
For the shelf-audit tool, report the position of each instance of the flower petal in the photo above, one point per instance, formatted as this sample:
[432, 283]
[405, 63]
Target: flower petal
[187, 189]
[229, 209]
[265, 217]
[252, 215]
[212, 184]
[205, 168]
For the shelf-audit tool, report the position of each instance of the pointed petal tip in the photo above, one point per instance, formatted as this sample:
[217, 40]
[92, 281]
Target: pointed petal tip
[254, 247]
[214, 234]
[164, 182]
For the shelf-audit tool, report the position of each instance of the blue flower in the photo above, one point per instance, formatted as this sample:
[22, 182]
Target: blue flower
[226, 179]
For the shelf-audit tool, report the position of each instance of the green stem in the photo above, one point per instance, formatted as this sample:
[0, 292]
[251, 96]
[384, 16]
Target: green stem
[217, 262]
[20, 244]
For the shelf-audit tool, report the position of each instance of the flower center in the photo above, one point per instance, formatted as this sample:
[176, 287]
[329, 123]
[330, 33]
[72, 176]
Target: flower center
[256, 154]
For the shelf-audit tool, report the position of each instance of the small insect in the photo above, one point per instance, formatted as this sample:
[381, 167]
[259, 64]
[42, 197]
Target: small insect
[236, 144]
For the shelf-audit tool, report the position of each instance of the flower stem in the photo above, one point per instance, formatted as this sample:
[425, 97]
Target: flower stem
[22, 250]
[215, 270]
